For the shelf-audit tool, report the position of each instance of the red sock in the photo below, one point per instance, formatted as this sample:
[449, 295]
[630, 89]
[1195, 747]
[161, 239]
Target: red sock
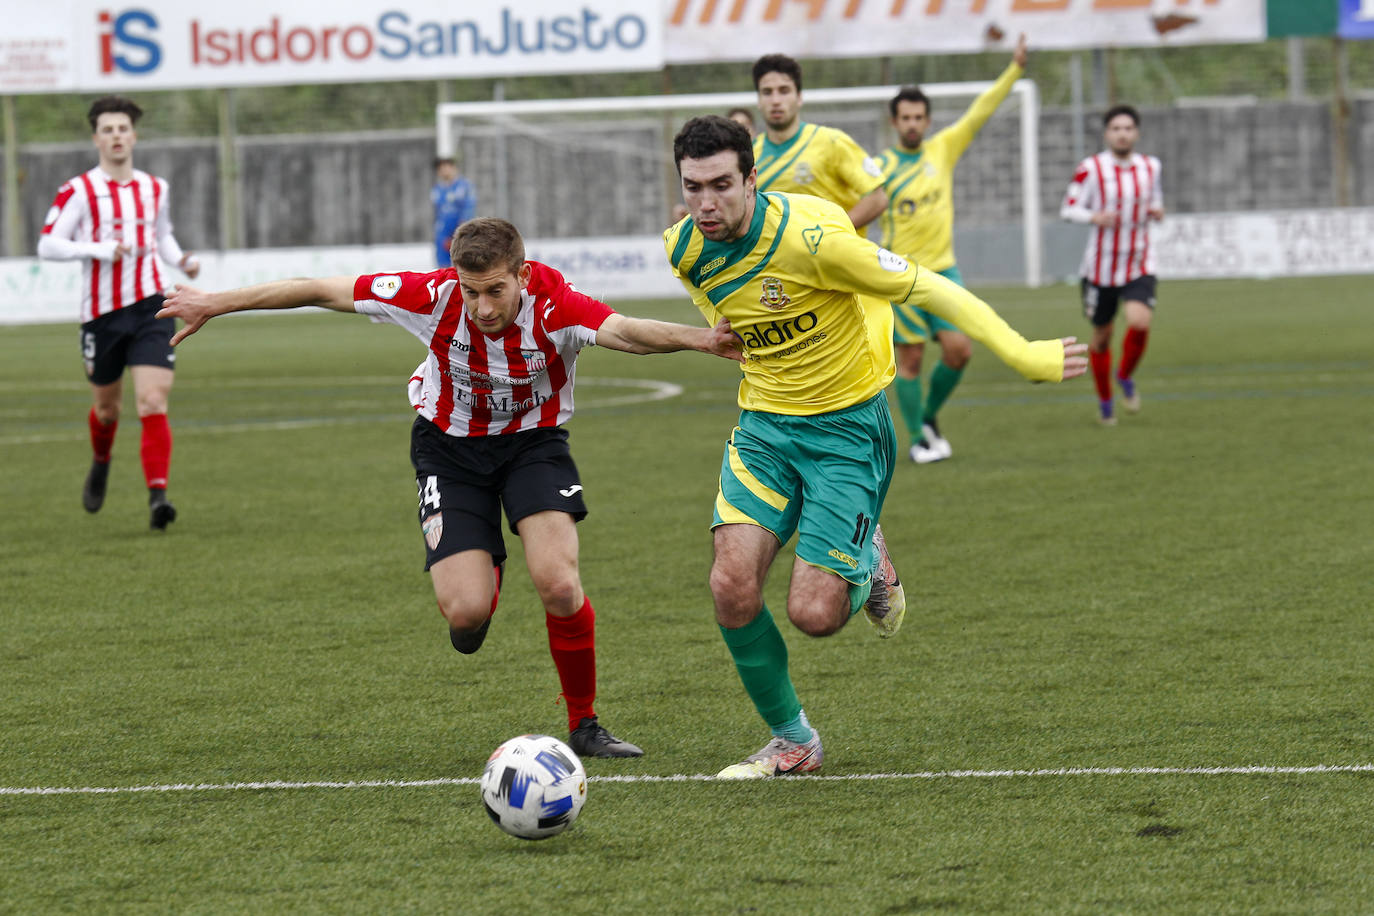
[102, 438]
[1102, 373]
[572, 643]
[1132, 348]
[496, 595]
[156, 449]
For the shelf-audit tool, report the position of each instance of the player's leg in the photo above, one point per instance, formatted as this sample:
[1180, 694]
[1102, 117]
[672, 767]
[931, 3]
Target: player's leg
[909, 334]
[542, 494]
[104, 348]
[1139, 296]
[755, 513]
[1099, 307]
[956, 349]
[460, 518]
[151, 363]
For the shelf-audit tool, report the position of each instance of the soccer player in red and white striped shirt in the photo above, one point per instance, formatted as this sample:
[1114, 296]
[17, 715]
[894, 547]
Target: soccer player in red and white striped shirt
[496, 386]
[114, 219]
[1118, 192]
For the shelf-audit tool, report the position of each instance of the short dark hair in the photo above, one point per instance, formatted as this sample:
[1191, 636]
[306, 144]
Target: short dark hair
[908, 94]
[702, 138]
[777, 63]
[445, 160]
[748, 115]
[485, 243]
[1121, 110]
[113, 104]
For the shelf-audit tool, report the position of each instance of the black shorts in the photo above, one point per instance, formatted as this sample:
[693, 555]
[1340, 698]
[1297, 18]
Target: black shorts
[130, 336]
[463, 483]
[1101, 302]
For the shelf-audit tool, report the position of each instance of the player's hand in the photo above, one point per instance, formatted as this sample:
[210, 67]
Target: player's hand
[1155, 213]
[1075, 362]
[725, 342]
[189, 304]
[190, 265]
[1108, 219]
[1020, 56]
[122, 250]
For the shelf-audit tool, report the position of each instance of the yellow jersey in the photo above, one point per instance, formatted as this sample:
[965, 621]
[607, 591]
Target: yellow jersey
[817, 160]
[919, 220]
[805, 294]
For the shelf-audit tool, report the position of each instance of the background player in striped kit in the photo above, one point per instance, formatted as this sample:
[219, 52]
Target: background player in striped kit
[492, 396]
[115, 220]
[919, 223]
[1118, 192]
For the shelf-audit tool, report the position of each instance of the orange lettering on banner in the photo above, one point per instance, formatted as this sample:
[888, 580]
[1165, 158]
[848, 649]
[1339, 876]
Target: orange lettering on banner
[852, 9]
[680, 12]
[1122, 4]
[737, 11]
[936, 7]
[1038, 6]
[774, 10]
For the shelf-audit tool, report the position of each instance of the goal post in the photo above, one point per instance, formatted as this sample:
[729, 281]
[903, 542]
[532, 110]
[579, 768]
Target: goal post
[558, 167]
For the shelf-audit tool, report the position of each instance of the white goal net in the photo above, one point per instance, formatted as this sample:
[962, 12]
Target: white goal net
[602, 167]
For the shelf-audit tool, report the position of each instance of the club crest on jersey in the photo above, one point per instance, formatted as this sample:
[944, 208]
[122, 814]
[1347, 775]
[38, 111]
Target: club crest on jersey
[802, 174]
[433, 528]
[386, 287]
[535, 360]
[773, 297]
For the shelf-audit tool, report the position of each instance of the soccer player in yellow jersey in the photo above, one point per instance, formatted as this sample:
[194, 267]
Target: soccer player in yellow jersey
[803, 158]
[815, 447]
[919, 223]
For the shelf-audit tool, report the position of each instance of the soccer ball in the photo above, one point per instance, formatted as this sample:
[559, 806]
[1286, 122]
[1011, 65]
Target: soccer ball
[533, 786]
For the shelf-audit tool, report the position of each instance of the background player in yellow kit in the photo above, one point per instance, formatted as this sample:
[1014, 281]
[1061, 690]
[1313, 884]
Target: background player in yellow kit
[802, 158]
[814, 449]
[919, 223]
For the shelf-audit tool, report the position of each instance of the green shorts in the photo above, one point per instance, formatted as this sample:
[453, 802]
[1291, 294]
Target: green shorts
[822, 477]
[913, 325]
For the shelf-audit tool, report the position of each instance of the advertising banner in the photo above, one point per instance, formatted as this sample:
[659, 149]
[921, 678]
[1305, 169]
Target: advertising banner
[79, 45]
[704, 30]
[1357, 19]
[1279, 243]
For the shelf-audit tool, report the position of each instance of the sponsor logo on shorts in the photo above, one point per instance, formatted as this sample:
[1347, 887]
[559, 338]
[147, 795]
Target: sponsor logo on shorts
[386, 287]
[845, 558]
[571, 491]
[773, 296]
[433, 528]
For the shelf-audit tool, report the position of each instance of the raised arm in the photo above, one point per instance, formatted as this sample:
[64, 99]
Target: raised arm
[645, 335]
[195, 307]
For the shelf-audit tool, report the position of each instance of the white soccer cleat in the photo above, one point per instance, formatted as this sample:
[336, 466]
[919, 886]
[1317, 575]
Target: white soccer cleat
[931, 434]
[923, 453]
[886, 607]
[778, 757]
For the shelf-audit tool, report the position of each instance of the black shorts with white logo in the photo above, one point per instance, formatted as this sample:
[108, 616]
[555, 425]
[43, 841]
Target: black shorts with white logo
[1101, 302]
[130, 336]
[464, 482]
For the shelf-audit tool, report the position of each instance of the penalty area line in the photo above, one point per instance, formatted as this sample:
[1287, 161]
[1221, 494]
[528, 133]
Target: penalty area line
[1320, 769]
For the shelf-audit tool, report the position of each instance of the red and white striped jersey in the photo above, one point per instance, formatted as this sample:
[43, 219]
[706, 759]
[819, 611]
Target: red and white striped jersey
[1115, 255]
[91, 216]
[474, 384]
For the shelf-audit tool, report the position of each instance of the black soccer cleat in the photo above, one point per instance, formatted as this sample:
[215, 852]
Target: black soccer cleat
[589, 739]
[160, 512]
[93, 492]
[469, 641]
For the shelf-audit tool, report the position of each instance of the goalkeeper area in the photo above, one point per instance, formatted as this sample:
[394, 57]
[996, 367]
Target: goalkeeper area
[603, 167]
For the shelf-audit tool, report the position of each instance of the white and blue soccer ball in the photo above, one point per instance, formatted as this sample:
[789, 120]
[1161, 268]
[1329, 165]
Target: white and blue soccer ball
[533, 786]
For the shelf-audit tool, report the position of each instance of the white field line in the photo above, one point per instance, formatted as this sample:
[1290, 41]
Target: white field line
[1320, 769]
[643, 391]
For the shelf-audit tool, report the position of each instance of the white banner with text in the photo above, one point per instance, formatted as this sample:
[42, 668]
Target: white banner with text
[82, 45]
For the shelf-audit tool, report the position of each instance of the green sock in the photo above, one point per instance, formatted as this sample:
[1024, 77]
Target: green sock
[942, 381]
[760, 657]
[858, 596]
[910, 403]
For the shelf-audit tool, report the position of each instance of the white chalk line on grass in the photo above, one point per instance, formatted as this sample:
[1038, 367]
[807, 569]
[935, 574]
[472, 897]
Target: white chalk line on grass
[1319, 769]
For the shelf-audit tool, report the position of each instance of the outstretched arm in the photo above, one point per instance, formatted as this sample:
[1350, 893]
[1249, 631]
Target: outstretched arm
[869, 208]
[195, 307]
[645, 335]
